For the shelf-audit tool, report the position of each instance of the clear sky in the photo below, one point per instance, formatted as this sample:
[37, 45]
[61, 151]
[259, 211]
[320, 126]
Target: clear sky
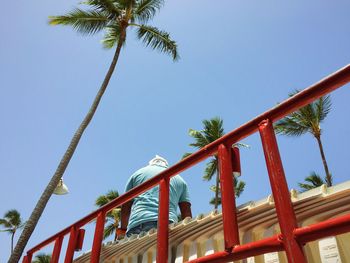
[238, 59]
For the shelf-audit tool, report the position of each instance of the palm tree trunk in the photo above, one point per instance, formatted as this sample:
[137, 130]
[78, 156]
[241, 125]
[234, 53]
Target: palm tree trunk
[41, 204]
[12, 236]
[217, 188]
[116, 234]
[328, 175]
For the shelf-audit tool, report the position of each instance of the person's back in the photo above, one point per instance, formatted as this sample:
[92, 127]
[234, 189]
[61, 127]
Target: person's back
[144, 210]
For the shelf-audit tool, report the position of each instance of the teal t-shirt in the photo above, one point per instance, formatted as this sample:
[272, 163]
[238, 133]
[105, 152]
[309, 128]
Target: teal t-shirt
[145, 206]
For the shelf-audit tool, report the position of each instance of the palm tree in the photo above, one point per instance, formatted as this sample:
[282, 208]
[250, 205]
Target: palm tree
[112, 217]
[11, 222]
[42, 258]
[312, 181]
[308, 119]
[213, 130]
[115, 17]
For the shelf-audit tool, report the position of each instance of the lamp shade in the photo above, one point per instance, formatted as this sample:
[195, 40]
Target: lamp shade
[61, 188]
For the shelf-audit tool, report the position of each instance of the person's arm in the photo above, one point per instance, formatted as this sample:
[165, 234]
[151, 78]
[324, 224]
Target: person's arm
[185, 209]
[125, 214]
[126, 210]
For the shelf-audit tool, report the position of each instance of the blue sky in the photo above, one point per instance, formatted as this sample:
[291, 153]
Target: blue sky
[238, 59]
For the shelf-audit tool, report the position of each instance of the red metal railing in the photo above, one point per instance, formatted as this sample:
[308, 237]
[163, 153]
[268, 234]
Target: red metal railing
[292, 237]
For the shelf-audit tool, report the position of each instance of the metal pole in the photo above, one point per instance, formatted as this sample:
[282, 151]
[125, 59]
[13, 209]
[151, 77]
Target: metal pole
[163, 222]
[284, 207]
[25, 259]
[330, 227]
[96, 246]
[71, 245]
[228, 201]
[57, 250]
[266, 245]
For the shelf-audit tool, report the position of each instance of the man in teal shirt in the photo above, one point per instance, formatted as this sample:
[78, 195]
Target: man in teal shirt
[141, 214]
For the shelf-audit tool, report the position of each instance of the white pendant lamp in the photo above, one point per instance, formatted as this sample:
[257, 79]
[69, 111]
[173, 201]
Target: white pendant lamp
[61, 188]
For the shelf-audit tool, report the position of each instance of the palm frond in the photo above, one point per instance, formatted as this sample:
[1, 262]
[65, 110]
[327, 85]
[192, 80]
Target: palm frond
[125, 4]
[109, 230]
[42, 258]
[213, 188]
[104, 199]
[101, 200]
[146, 9]
[5, 223]
[210, 169]
[85, 22]
[213, 129]
[185, 155]
[323, 107]
[289, 126]
[7, 230]
[312, 181]
[212, 201]
[105, 5]
[112, 36]
[239, 187]
[112, 194]
[157, 39]
[13, 217]
[116, 213]
[200, 140]
[294, 92]
[315, 179]
[303, 117]
[241, 145]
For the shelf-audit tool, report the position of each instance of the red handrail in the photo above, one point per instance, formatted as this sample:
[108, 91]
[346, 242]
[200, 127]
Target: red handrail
[291, 238]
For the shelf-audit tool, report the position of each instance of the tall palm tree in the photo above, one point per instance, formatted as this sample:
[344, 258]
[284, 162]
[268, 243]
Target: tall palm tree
[42, 258]
[308, 120]
[213, 130]
[312, 181]
[115, 18]
[11, 222]
[112, 217]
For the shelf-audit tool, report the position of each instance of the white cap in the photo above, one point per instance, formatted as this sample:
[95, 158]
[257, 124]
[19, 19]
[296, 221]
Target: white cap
[159, 161]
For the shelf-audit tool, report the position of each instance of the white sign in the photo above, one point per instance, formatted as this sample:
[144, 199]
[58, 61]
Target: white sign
[271, 257]
[329, 250]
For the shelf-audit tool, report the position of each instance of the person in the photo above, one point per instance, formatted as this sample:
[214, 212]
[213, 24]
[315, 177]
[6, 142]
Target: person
[141, 213]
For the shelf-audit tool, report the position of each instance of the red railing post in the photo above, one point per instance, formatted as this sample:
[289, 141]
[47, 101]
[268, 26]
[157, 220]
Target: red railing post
[98, 237]
[57, 250]
[163, 222]
[280, 191]
[27, 258]
[228, 201]
[71, 245]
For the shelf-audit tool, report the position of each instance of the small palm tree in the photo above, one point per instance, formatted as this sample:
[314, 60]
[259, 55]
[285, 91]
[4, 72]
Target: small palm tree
[115, 17]
[112, 217]
[11, 222]
[308, 120]
[213, 130]
[312, 181]
[42, 258]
